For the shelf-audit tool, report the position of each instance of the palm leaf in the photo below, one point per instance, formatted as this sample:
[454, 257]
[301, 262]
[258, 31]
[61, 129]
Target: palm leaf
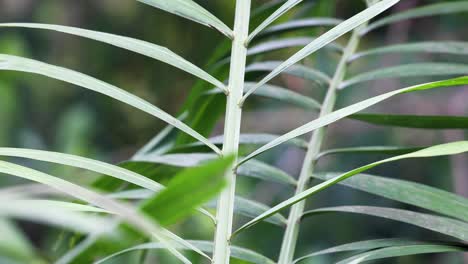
[191, 10]
[425, 11]
[15, 63]
[361, 246]
[283, 95]
[347, 111]
[301, 24]
[253, 168]
[236, 252]
[416, 194]
[279, 12]
[84, 163]
[387, 150]
[399, 251]
[326, 38]
[438, 150]
[61, 217]
[139, 46]
[444, 225]
[274, 45]
[442, 47]
[414, 121]
[126, 212]
[300, 71]
[408, 70]
[188, 190]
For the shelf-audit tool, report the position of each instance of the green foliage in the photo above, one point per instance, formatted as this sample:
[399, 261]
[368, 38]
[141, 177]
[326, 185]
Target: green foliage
[188, 190]
[134, 208]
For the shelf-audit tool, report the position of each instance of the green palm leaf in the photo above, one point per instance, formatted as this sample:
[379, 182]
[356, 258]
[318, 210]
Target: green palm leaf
[326, 38]
[347, 111]
[414, 121]
[206, 246]
[425, 11]
[443, 47]
[399, 251]
[438, 150]
[409, 70]
[413, 193]
[14, 63]
[139, 46]
[191, 10]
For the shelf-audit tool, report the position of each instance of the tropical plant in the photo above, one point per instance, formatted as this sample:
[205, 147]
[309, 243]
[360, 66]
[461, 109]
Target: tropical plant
[129, 209]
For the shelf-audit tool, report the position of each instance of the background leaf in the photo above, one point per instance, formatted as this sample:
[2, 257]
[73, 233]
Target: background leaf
[434, 223]
[188, 190]
[414, 121]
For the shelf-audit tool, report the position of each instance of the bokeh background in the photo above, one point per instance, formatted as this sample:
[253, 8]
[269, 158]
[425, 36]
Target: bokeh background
[36, 112]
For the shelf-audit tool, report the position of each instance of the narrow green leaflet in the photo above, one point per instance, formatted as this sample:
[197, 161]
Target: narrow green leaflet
[414, 121]
[134, 194]
[83, 163]
[444, 225]
[443, 47]
[429, 10]
[413, 193]
[207, 246]
[253, 168]
[288, 96]
[14, 63]
[178, 159]
[300, 71]
[256, 139]
[399, 251]
[191, 10]
[361, 246]
[279, 12]
[434, 151]
[387, 150]
[141, 194]
[188, 190]
[252, 209]
[409, 70]
[75, 221]
[126, 212]
[301, 24]
[261, 170]
[73, 207]
[326, 38]
[243, 206]
[283, 95]
[347, 111]
[29, 190]
[278, 44]
[139, 46]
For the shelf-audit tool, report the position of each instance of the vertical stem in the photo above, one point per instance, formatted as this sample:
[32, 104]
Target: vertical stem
[225, 208]
[290, 237]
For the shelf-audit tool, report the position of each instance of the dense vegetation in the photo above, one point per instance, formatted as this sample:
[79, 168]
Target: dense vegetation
[209, 176]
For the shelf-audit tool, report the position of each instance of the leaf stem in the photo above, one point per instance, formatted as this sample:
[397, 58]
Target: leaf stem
[225, 207]
[290, 237]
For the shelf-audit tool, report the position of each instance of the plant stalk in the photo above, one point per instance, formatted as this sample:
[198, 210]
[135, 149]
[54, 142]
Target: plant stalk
[290, 237]
[225, 207]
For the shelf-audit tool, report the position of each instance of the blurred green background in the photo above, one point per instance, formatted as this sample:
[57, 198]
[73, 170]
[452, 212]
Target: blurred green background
[36, 112]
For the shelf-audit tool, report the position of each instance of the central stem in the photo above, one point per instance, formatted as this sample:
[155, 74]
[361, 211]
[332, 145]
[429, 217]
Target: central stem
[225, 208]
[290, 237]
